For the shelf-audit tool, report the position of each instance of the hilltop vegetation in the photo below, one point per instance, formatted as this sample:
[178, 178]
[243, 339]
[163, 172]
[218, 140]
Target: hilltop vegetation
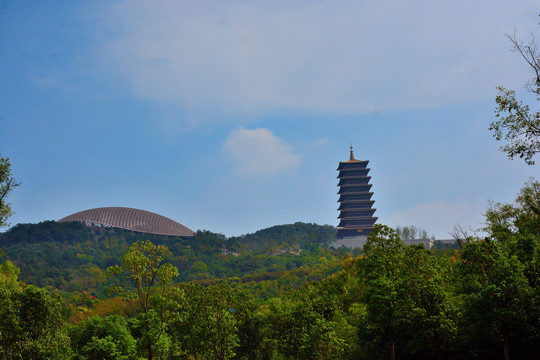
[72, 257]
[272, 301]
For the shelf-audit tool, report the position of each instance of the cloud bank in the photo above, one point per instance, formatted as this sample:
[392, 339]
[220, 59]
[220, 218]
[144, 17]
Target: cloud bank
[259, 152]
[326, 56]
[440, 217]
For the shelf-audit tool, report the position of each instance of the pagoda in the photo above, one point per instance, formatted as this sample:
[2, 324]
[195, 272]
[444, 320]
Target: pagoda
[355, 204]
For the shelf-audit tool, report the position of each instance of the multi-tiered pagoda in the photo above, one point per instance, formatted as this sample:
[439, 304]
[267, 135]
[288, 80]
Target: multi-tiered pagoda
[355, 204]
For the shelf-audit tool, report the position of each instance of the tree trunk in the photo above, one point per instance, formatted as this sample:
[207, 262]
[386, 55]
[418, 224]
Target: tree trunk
[505, 343]
[392, 353]
[150, 355]
[439, 349]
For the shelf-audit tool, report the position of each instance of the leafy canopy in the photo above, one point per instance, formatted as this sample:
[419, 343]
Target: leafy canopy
[7, 184]
[516, 123]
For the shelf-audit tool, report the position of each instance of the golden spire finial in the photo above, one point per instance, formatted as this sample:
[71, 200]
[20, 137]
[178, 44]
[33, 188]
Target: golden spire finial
[352, 154]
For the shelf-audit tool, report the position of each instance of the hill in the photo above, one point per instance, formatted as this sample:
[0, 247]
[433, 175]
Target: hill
[73, 257]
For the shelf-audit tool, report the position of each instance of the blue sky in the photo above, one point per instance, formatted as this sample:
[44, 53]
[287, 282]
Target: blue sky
[232, 116]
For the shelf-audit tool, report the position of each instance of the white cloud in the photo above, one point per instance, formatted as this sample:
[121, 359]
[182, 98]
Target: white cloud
[321, 142]
[259, 152]
[348, 56]
[440, 217]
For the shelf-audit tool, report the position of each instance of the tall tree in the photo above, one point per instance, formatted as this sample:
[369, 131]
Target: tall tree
[517, 227]
[143, 267]
[31, 324]
[204, 324]
[305, 324]
[7, 184]
[496, 291]
[516, 123]
[381, 270]
[433, 318]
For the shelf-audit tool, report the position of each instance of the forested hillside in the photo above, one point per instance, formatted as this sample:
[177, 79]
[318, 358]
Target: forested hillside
[73, 257]
[259, 297]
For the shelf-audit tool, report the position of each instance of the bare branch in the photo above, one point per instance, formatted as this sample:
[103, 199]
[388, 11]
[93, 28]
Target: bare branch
[460, 234]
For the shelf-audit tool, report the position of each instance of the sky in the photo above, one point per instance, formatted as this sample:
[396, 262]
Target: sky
[232, 116]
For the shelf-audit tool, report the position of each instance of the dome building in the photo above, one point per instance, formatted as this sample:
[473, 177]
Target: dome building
[130, 219]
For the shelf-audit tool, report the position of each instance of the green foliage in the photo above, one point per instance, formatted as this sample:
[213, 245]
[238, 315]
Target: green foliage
[299, 234]
[517, 227]
[152, 338]
[306, 324]
[381, 269]
[516, 123]
[73, 257]
[497, 293]
[31, 325]
[429, 285]
[205, 325]
[8, 275]
[409, 298]
[7, 184]
[103, 338]
[143, 265]
[277, 302]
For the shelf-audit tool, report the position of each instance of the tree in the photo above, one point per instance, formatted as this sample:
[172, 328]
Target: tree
[307, 324]
[7, 184]
[381, 270]
[517, 227]
[496, 292]
[461, 235]
[103, 338]
[204, 323]
[31, 325]
[433, 318]
[516, 123]
[143, 266]
[411, 232]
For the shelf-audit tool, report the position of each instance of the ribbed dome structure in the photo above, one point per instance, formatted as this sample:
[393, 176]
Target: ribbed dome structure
[130, 219]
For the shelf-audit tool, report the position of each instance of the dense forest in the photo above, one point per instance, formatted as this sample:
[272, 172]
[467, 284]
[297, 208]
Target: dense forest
[72, 257]
[72, 292]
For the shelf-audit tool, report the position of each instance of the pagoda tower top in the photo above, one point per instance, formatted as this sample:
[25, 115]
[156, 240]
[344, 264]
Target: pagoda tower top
[351, 155]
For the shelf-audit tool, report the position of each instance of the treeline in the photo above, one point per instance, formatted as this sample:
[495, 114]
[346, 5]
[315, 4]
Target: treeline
[73, 257]
[393, 301]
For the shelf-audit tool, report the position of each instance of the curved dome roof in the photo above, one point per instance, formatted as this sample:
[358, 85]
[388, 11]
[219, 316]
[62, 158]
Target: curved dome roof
[130, 219]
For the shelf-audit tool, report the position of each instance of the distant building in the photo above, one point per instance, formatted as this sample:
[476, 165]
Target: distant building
[355, 204]
[130, 219]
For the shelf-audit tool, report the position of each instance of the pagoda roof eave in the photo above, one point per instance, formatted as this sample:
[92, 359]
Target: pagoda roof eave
[351, 162]
[351, 192]
[357, 209]
[351, 177]
[354, 169]
[353, 185]
[359, 218]
[355, 201]
[355, 228]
